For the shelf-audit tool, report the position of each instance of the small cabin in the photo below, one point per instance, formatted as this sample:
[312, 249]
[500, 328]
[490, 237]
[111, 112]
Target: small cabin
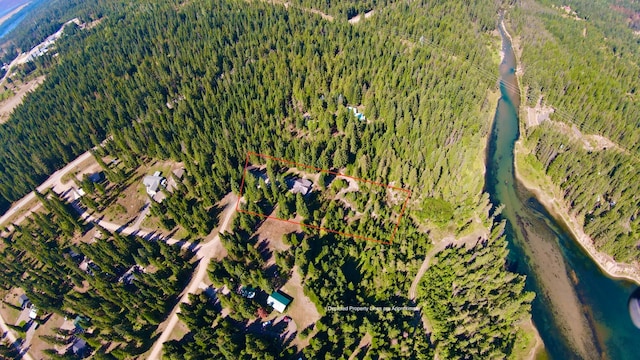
[279, 300]
[23, 301]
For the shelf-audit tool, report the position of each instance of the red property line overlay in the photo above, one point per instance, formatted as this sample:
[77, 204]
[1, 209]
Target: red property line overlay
[395, 229]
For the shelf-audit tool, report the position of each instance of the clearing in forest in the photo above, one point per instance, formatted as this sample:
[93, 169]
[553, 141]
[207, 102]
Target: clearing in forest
[12, 96]
[329, 201]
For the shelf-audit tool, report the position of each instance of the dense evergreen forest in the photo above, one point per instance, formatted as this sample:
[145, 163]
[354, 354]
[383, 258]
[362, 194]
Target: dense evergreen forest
[472, 315]
[427, 105]
[585, 66]
[204, 82]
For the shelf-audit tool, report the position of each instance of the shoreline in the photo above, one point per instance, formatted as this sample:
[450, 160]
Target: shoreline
[13, 12]
[538, 347]
[529, 326]
[559, 209]
[561, 212]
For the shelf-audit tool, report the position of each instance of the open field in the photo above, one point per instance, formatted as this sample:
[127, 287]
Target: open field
[29, 207]
[179, 331]
[19, 92]
[132, 199]
[48, 328]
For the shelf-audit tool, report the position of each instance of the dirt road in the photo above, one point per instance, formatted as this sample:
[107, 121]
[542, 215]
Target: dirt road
[209, 250]
[12, 338]
[468, 241]
[54, 181]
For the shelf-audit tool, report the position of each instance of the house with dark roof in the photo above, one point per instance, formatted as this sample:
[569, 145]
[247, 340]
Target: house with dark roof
[96, 177]
[79, 347]
[279, 300]
[23, 301]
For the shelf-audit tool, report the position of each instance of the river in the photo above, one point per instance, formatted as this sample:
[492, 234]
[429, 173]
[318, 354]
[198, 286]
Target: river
[13, 13]
[580, 312]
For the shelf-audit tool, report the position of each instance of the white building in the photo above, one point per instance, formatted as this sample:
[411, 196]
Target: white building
[279, 300]
[302, 186]
[152, 183]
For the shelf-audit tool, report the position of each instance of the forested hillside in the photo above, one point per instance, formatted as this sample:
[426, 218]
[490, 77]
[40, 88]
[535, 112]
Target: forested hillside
[180, 97]
[342, 10]
[474, 305]
[463, 324]
[585, 66]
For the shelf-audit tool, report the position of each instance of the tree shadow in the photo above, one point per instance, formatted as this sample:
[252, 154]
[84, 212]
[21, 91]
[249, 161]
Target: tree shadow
[263, 249]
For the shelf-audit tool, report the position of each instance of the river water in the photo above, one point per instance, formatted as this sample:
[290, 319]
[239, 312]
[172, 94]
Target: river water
[580, 312]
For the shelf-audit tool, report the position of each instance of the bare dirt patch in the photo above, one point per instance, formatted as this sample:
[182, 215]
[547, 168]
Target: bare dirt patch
[87, 237]
[302, 310]
[356, 19]
[20, 91]
[179, 331]
[364, 343]
[588, 142]
[93, 23]
[48, 328]
[87, 167]
[19, 215]
[309, 10]
[131, 201]
[305, 9]
[541, 113]
[10, 314]
[536, 115]
[271, 232]
[128, 205]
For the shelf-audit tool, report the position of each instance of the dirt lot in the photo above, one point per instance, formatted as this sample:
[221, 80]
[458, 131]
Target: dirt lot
[364, 342]
[9, 314]
[301, 309]
[179, 331]
[38, 345]
[20, 91]
[128, 205]
[87, 237]
[132, 199]
[22, 212]
[88, 167]
[271, 232]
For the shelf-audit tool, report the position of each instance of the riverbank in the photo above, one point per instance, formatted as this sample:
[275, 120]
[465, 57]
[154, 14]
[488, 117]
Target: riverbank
[550, 195]
[537, 350]
[6, 17]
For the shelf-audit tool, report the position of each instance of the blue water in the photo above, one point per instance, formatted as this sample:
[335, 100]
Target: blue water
[538, 242]
[16, 19]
